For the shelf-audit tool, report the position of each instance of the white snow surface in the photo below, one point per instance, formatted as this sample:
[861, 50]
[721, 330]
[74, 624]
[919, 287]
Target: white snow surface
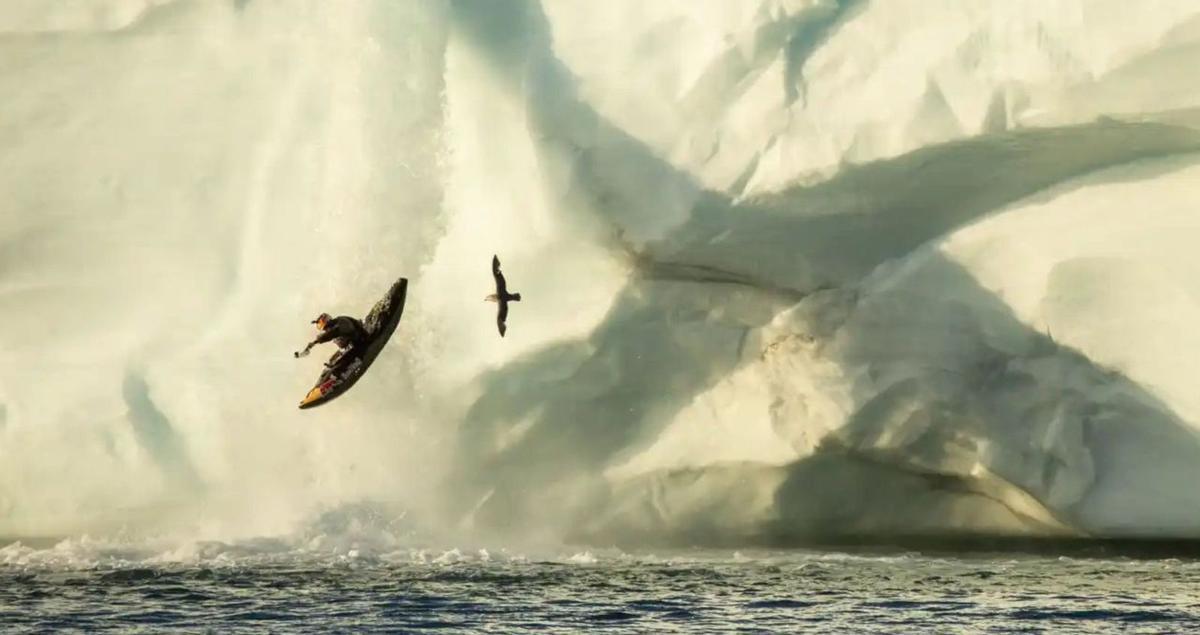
[790, 268]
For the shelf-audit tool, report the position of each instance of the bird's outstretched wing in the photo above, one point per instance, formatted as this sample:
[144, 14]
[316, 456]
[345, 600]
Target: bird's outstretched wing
[501, 287]
[501, 317]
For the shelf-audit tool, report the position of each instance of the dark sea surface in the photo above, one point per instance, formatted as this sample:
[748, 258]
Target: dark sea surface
[282, 587]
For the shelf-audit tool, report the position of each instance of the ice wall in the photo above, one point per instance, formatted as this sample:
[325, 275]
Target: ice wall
[803, 346]
[789, 268]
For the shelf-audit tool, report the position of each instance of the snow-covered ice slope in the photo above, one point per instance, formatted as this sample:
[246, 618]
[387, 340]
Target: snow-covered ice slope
[790, 268]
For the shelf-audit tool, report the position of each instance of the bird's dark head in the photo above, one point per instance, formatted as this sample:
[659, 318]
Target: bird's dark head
[492, 298]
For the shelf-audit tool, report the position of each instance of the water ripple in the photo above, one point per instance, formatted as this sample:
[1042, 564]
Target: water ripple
[707, 591]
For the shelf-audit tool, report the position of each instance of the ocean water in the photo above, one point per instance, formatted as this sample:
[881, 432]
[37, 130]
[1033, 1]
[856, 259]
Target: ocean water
[271, 586]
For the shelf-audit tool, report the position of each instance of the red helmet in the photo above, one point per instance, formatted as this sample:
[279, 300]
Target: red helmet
[322, 320]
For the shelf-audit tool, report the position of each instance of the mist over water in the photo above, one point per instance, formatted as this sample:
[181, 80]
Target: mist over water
[193, 188]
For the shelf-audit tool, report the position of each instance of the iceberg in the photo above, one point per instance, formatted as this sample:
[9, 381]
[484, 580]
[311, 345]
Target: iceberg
[791, 269]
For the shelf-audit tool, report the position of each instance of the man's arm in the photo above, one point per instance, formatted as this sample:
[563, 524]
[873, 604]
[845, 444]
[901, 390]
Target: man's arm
[342, 326]
[322, 337]
[328, 335]
[338, 327]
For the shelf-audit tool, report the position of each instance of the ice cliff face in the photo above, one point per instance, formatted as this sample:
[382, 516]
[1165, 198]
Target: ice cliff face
[790, 269]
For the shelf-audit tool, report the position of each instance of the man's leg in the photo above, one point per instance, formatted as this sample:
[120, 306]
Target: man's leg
[341, 360]
[335, 359]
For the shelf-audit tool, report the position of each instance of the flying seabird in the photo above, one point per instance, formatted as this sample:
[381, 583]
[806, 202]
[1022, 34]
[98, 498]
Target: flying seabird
[501, 296]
